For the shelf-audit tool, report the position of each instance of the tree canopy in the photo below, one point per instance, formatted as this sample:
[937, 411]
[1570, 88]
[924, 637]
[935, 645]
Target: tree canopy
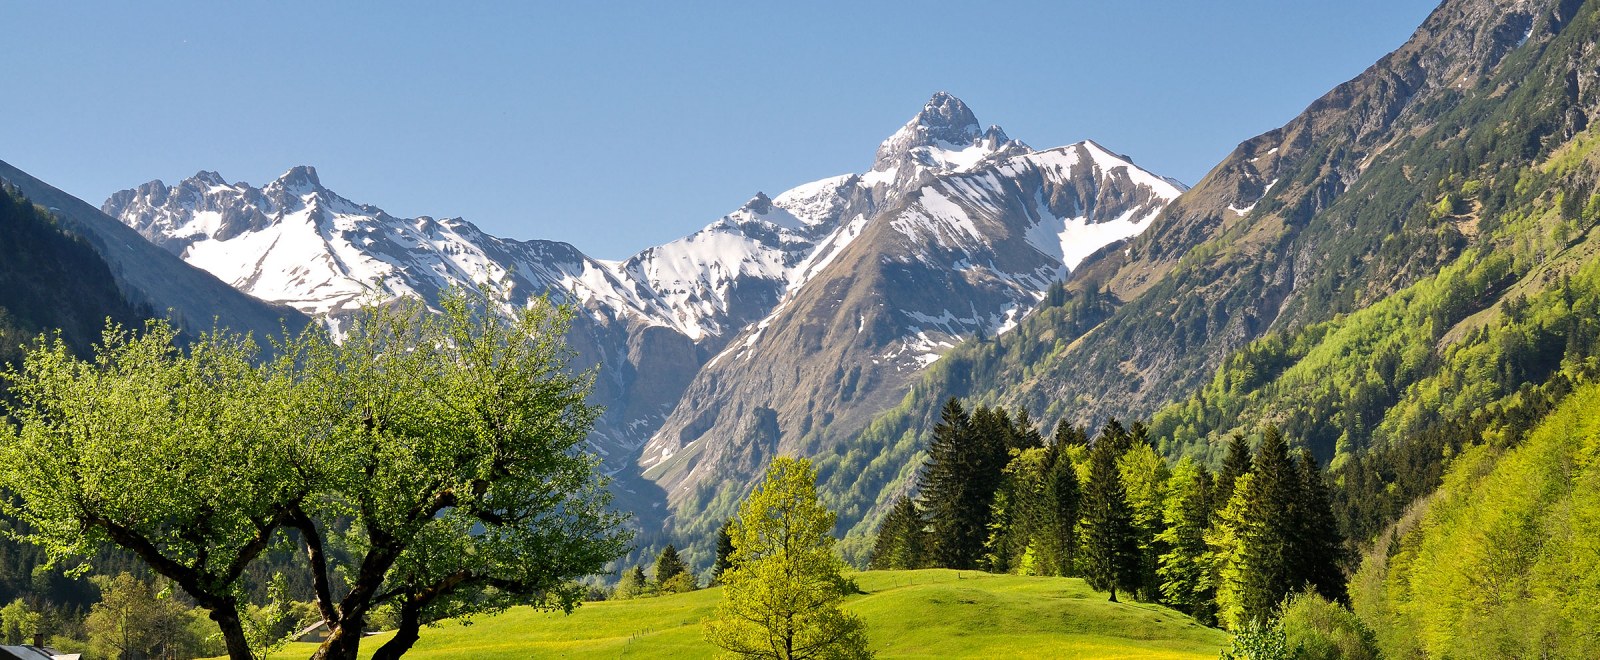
[783, 590]
[430, 463]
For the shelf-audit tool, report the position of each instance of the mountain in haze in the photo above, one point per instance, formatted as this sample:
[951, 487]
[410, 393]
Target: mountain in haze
[955, 229]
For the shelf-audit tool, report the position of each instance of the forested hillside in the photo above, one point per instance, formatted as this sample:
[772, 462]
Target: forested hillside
[1500, 560]
[51, 280]
[1401, 269]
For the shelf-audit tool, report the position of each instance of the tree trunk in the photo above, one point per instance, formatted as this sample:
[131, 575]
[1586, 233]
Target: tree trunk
[343, 642]
[227, 618]
[404, 637]
[1113, 593]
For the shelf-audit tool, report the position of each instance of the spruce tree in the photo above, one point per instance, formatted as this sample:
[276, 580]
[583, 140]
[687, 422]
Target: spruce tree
[1067, 435]
[943, 488]
[1235, 465]
[1065, 499]
[1110, 547]
[1115, 437]
[724, 550]
[959, 480]
[669, 564]
[1025, 434]
[902, 541]
[1320, 546]
[1269, 551]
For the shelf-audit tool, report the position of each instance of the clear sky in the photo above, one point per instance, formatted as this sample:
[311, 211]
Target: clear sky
[616, 126]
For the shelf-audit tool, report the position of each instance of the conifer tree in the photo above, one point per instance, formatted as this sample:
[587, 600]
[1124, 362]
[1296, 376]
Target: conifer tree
[1065, 499]
[1235, 465]
[958, 484]
[1067, 435]
[724, 550]
[1025, 435]
[1110, 548]
[632, 584]
[669, 564]
[902, 541]
[1116, 437]
[1320, 546]
[1272, 506]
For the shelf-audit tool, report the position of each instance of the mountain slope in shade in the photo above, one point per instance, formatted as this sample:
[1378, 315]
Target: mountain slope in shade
[152, 278]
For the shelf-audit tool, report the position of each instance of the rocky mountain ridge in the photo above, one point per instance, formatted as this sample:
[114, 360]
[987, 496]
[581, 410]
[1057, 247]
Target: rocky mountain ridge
[960, 226]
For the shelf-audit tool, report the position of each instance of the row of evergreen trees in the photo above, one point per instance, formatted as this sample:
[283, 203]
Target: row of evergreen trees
[1227, 548]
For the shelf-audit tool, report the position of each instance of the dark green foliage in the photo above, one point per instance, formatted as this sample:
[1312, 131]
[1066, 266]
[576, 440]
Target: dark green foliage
[965, 458]
[52, 280]
[1067, 435]
[1236, 465]
[1064, 497]
[724, 550]
[902, 541]
[669, 565]
[1111, 550]
[1270, 551]
[1319, 552]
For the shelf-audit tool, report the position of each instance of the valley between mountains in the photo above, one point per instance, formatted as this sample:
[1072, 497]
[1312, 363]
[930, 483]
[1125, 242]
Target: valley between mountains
[1337, 400]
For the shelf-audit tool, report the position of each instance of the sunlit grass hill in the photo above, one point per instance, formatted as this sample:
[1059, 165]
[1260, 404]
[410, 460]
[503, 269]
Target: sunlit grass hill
[909, 614]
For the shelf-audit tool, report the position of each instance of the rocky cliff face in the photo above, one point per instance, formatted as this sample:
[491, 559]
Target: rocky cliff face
[965, 253]
[782, 326]
[1297, 224]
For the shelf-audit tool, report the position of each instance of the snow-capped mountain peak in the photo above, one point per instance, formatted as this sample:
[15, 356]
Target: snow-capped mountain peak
[944, 137]
[956, 228]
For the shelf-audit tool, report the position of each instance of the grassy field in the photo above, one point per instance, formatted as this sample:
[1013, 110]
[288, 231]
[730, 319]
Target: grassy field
[909, 614]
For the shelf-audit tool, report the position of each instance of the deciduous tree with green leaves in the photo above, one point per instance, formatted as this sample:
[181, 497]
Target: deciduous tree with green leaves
[459, 469]
[181, 456]
[782, 594]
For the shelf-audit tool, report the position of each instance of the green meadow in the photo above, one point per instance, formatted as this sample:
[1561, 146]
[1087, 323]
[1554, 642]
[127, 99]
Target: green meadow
[932, 613]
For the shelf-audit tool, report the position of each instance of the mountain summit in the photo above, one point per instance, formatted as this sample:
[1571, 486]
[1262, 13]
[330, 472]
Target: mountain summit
[944, 137]
[703, 342]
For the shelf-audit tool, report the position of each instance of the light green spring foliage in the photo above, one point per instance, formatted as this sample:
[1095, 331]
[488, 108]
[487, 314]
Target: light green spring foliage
[134, 620]
[1320, 629]
[1503, 558]
[1144, 475]
[18, 623]
[134, 440]
[460, 444]
[1259, 641]
[1185, 576]
[1226, 555]
[1020, 524]
[185, 457]
[439, 455]
[783, 593]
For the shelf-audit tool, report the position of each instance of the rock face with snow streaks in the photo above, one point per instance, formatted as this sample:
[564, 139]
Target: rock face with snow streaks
[780, 327]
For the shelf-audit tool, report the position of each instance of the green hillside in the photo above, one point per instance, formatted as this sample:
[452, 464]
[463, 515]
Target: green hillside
[909, 614]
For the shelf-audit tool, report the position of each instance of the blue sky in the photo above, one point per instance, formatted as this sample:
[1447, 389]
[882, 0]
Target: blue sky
[616, 126]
